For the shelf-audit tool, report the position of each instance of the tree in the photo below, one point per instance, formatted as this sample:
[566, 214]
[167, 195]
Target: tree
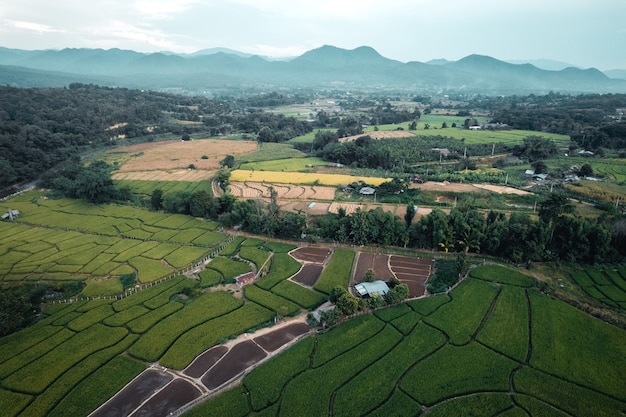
[461, 264]
[540, 167]
[7, 173]
[177, 202]
[370, 275]
[200, 203]
[555, 206]
[585, 171]
[376, 301]
[330, 317]
[228, 161]
[266, 134]
[397, 294]
[347, 303]
[535, 148]
[335, 293]
[156, 199]
[94, 183]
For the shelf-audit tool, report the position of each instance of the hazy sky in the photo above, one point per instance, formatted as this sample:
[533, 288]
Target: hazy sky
[587, 33]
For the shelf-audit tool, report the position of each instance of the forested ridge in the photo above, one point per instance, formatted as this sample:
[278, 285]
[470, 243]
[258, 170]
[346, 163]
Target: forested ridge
[40, 127]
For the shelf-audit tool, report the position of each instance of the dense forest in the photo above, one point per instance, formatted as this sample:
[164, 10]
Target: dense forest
[40, 128]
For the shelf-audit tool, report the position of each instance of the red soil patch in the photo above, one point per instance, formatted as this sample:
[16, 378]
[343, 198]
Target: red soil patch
[237, 360]
[308, 275]
[169, 399]
[274, 340]
[205, 361]
[379, 263]
[245, 278]
[135, 393]
[314, 255]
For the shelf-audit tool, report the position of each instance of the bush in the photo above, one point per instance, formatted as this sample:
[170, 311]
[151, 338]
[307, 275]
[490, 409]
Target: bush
[128, 280]
[445, 276]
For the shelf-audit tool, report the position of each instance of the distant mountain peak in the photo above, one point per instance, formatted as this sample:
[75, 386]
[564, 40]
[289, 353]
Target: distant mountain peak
[326, 65]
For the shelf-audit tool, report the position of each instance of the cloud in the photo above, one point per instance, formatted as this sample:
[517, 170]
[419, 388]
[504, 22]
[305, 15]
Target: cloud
[118, 33]
[162, 9]
[326, 9]
[31, 26]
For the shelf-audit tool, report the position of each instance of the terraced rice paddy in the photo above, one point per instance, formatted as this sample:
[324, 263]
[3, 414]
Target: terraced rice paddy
[466, 353]
[70, 239]
[272, 177]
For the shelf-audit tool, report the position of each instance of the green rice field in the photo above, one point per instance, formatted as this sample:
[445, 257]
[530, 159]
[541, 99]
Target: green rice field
[68, 239]
[466, 353]
[606, 284]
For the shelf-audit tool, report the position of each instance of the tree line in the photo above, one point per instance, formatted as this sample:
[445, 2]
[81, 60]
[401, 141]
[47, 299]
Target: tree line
[557, 235]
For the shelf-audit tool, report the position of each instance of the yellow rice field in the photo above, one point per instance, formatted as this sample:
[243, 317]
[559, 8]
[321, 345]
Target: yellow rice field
[301, 178]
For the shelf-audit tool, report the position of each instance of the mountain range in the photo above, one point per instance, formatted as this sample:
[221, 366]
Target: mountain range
[327, 66]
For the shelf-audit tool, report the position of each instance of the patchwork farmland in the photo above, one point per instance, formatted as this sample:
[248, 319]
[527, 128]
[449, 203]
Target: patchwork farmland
[60, 240]
[442, 355]
[466, 352]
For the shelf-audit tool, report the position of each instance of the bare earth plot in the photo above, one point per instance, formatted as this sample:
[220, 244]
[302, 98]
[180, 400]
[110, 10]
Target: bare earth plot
[308, 275]
[157, 392]
[378, 263]
[313, 255]
[412, 271]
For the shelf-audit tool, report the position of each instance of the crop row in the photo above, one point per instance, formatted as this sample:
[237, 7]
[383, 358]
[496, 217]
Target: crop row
[255, 255]
[229, 268]
[102, 383]
[304, 297]
[606, 285]
[159, 338]
[68, 382]
[271, 301]
[556, 326]
[357, 396]
[90, 255]
[37, 375]
[461, 318]
[337, 271]
[145, 322]
[305, 392]
[366, 367]
[209, 333]
[146, 294]
[279, 370]
[507, 328]
[147, 187]
[283, 266]
[301, 178]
